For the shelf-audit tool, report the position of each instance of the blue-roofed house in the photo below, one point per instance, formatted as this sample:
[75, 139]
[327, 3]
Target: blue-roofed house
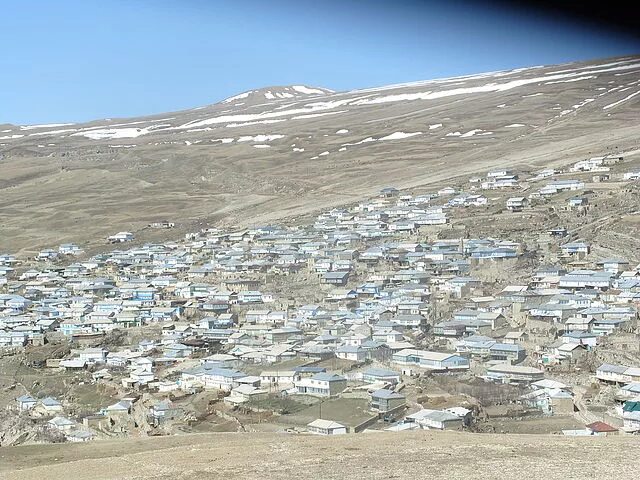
[581, 338]
[373, 375]
[177, 350]
[351, 352]
[210, 376]
[25, 402]
[51, 405]
[509, 352]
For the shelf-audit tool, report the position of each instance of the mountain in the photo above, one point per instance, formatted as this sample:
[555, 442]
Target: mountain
[252, 159]
[263, 95]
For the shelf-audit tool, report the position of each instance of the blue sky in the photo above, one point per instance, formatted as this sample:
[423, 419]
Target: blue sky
[77, 60]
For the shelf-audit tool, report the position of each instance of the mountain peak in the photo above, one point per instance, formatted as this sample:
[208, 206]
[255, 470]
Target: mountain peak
[277, 93]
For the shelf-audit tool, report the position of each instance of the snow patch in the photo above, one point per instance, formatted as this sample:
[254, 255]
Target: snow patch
[112, 133]
[246, 124]
[240, 96]
[487, 88]
[44, 125]
[365, 140]
[571, 80]
[310, 91]
[306, 109]
[471, 133]
[614, 104]
[399, 136]
[588, 67]
[434, 126]
[583, 103]
[259, 138]
[54, 132]
[313, 115]
[342, 131]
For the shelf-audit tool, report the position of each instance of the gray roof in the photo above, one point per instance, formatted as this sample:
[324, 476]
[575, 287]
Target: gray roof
[25, 399]
[380, 372]
[388, 394]
[213, 369]
[349, 349]
[328, 377]
[440, 416]
[507, 347]
[606, 367]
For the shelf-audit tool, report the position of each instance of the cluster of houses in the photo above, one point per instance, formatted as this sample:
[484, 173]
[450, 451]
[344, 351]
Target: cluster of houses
[378, 291]
[495, 180]
[52, 410]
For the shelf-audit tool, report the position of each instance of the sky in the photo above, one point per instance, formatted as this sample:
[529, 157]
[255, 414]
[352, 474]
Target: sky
[79, 60]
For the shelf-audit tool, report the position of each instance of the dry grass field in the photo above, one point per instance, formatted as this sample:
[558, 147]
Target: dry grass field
[424, 454]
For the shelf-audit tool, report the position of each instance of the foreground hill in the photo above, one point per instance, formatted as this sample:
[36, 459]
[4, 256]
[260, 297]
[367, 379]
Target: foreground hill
[283, 151]
[440, 455]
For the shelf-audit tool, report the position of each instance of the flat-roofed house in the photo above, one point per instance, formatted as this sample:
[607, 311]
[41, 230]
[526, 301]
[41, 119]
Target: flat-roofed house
[386, 400]
[505, 373]
[326, 427]
[436, 361]
[322, 385]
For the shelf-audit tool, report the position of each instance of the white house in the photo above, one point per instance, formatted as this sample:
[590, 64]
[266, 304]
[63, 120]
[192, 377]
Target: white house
[121, 237]
[436, 361]
[321, 384]
[326, 427]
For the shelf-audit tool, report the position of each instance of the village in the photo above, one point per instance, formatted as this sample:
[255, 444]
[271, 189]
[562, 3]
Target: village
[482, 306]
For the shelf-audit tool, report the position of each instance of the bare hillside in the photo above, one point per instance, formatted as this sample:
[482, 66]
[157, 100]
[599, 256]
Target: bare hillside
[282, 151]
[377, 455]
